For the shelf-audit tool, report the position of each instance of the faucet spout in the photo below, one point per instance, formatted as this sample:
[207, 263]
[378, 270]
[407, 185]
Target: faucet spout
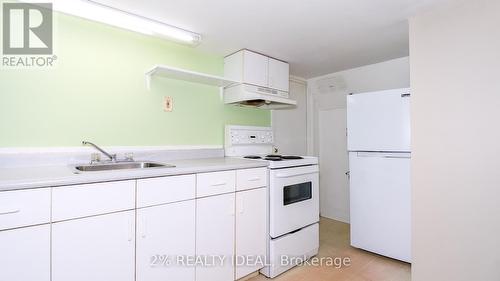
[112, 157]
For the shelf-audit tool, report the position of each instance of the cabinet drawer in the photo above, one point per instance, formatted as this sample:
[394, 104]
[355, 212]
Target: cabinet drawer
[24, 208]
[215, 183]
[69, 202]
[251, 178]
[163, 190]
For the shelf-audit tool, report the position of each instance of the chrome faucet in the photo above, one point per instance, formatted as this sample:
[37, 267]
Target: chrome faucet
[112, 157]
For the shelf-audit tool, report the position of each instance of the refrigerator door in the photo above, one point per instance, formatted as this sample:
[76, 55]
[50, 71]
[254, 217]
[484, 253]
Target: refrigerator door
[380, 203]
[379, 121]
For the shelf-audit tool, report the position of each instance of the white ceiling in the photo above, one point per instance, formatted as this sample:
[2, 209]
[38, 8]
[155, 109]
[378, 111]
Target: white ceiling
[316, 36]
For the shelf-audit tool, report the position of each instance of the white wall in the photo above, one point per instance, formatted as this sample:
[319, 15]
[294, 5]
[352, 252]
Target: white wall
[455, 77]
[327, 124]
[290, 125]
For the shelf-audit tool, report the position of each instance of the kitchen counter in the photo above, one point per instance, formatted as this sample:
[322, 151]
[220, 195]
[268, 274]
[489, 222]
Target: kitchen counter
[49, 176]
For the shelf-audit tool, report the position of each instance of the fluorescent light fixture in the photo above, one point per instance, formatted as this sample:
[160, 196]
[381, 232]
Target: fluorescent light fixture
[95, 11]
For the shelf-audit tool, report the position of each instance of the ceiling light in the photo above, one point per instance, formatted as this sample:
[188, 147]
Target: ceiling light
[95, 11]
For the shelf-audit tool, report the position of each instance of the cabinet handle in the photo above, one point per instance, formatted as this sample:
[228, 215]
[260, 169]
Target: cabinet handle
[219, 184]
[291, 175]
[131, 230]
[144, 228]
[232, 207]
[254, 179]
[241, 205]
[10, 212]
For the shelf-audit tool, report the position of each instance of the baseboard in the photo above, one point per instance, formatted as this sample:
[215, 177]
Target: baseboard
[338, 217]
[249, 276]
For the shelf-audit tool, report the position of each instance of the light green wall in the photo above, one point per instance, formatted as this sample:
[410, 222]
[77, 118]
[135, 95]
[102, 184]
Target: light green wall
[97, 92]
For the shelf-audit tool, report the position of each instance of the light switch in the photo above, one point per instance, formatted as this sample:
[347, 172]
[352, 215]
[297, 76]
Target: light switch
[168, 104]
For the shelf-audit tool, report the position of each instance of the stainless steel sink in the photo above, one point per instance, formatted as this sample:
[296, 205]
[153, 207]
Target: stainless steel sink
[120, 166]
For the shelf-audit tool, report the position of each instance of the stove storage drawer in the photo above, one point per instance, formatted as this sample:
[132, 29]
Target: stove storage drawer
[208, 184]
[302, 244]
[251, 178]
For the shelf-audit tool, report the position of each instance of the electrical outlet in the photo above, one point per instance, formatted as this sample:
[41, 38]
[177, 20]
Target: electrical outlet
[168, 104]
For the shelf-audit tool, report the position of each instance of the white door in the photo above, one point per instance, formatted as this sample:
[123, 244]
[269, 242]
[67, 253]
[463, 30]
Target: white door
[279, 75]
[251, 235]
[100, 248]
[333, 165]
[25, 254]
[379, 121]
[215, 237]
[163, 234]
[255, 69]
[381, 203]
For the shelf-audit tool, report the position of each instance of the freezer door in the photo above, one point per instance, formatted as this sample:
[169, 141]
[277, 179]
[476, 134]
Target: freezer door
[379, 121]
[380, 203]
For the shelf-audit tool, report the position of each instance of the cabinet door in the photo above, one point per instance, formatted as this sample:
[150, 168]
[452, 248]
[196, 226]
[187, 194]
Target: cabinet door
[163, 234]
[25, 254]
[100, 248]
[255, 69]
[250, 228]
[215, 237]
[279, 73]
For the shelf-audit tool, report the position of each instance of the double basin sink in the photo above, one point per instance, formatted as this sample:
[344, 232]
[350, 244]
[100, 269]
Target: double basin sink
[112, 166]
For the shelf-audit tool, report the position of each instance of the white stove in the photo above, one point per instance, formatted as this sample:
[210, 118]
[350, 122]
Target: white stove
[293, 196]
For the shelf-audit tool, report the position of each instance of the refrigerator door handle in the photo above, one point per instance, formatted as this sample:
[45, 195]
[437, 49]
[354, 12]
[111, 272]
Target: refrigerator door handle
[398, 157]
[393, 155]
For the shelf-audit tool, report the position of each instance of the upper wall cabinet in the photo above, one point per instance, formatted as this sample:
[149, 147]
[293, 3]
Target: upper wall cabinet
[252, 68]
[255, 68]
[279, 75]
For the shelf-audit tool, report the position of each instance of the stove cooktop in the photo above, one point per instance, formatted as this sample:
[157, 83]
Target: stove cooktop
[274, 157]
[283, 161]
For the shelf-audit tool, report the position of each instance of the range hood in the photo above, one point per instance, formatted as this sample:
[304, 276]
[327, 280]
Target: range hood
[256, 96]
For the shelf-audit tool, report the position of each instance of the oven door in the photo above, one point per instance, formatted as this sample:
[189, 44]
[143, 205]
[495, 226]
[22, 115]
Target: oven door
[293, 199]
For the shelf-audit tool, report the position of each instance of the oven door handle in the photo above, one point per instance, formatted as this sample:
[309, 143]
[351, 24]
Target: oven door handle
[291, 175]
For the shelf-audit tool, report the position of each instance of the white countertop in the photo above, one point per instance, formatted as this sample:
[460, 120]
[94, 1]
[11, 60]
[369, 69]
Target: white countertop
[48, 176]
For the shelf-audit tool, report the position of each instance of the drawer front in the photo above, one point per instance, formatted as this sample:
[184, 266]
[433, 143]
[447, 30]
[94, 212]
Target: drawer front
[163, 190]
[24, 207]
[251, 178]
[69, 202]
[215, 183]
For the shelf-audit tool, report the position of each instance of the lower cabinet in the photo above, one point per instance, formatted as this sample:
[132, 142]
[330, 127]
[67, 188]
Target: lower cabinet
[165, 239]
[215, 237]
[100, 248]
[251, 225]
[25, 254]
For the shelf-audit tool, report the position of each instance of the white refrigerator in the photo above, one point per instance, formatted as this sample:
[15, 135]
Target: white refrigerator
[378, 140]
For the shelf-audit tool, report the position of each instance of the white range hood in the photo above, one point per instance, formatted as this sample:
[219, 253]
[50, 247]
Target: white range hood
[257, 96]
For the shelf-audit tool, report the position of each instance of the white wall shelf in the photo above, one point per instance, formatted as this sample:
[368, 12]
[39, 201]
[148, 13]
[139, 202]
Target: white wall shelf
[186, 75]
